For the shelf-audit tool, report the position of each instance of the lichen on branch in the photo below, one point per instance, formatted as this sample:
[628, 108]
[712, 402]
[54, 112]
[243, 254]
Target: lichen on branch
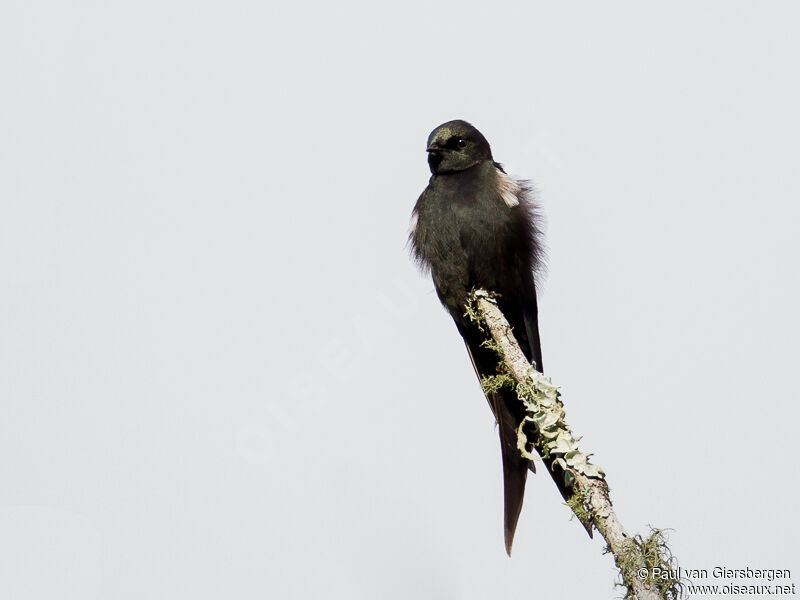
[551, 437]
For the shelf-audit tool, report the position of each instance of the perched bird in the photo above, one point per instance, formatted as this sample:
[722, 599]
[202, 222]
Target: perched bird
[474, 227]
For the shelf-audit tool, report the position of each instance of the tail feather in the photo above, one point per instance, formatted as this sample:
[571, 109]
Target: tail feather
[515, 468]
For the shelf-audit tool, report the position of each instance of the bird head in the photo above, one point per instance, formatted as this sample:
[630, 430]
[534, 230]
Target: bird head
[456, 146]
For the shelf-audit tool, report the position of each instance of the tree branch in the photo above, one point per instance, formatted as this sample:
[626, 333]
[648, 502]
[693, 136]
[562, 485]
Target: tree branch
[647, 567]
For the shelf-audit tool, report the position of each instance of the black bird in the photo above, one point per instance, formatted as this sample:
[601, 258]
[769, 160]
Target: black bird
[476, 227]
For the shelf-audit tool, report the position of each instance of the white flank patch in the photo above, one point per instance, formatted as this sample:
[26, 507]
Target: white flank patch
[508, 188]
[414, 218]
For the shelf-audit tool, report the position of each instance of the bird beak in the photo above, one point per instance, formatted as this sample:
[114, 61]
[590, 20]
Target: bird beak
[433, 148]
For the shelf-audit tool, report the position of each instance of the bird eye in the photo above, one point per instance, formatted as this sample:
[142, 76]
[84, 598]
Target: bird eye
[461, 142]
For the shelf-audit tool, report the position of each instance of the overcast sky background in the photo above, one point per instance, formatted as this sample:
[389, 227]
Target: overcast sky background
[222, 377]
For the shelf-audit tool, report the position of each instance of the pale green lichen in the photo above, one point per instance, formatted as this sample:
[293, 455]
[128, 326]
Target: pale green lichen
[579, 503]
[555, 440]
[650, 556]
[494, 383]
[492, 345]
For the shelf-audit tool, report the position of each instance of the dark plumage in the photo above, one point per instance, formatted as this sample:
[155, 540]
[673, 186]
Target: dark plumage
[475, 227]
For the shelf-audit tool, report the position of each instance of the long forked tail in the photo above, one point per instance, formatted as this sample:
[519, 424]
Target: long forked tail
[515, 466]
